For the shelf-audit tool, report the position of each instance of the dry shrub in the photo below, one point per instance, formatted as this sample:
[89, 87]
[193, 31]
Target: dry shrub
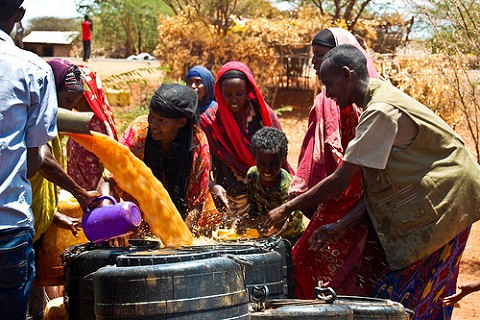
[184, 44]
[427, 78]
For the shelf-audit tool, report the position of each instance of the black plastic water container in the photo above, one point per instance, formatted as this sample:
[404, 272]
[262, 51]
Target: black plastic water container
[81, 262]
[373, 308]
[344, 307]
[304, 311]
[211, 288]
[262, 266]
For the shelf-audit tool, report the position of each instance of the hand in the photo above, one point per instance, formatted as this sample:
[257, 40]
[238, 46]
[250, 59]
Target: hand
[87, 199]
[464, 290]
[326, 235]
[119, 241]
[67, 222]
[219, 196]
[277, 220]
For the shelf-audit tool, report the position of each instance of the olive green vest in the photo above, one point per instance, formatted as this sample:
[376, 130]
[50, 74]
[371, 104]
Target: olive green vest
[428, 192]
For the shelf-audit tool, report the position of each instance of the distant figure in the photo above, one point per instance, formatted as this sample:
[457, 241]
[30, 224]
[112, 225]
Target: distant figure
[87, 28]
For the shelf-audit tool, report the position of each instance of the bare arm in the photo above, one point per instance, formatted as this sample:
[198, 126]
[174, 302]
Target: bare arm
[321, 192]
[34, 161]
[51, 170]
[464, 290]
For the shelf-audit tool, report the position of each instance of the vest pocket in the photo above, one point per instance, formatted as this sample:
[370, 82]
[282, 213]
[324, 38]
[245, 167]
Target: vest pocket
[412, 214]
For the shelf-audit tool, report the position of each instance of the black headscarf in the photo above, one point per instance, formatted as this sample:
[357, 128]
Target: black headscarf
[324, 38]
[173, 101]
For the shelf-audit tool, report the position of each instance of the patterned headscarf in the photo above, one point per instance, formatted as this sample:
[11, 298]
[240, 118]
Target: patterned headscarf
[68, 76]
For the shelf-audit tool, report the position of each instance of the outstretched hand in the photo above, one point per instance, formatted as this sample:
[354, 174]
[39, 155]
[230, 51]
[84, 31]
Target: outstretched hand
[276, 222]
[66, 222]
[219, 195]
[464, 290]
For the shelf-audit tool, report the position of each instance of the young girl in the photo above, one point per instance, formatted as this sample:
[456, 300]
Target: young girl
[268, 183]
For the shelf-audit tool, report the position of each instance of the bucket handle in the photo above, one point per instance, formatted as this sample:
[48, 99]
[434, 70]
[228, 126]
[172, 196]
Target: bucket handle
[99, 199]
[326, 294]
[258, 296]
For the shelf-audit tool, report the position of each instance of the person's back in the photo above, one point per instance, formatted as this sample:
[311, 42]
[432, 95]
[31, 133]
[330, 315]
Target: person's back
[28, 120]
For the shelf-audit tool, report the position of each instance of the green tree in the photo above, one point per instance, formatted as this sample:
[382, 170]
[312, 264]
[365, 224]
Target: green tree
[125, 27]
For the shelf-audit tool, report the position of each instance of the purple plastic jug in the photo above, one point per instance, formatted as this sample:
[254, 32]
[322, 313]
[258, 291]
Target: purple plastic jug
[108, 222]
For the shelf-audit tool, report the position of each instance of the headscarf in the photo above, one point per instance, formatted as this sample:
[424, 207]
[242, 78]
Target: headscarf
[208, 82]
[97, 100]
[228, 133]
[68, 76]
[173, 101]
[326, 122]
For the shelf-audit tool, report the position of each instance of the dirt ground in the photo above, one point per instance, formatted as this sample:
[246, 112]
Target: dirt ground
[294, 124]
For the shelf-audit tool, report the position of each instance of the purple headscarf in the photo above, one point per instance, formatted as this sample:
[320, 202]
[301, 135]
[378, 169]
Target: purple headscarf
[68, 76]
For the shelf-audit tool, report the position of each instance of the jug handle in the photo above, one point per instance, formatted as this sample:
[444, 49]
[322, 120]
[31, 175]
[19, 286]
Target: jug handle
[101, 198]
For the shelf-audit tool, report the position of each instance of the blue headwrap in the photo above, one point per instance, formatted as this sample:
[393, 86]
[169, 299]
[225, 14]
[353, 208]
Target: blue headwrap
[208, 82]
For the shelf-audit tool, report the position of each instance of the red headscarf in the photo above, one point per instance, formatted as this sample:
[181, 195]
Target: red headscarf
[231, 145]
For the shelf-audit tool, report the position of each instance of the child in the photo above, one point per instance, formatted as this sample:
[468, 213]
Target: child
[268, 183]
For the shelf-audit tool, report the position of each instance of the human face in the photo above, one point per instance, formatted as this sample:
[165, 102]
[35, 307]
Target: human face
[337, 84]
[164, 129]
[269, 166]
[68, 100]
[234, 92]
[196, 84]
[318, 53]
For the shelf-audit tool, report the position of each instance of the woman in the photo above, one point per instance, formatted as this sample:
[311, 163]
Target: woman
[202, 81]
[230, 126]
[83, 166]
[173, 146]
[340, 264]
[48, 179]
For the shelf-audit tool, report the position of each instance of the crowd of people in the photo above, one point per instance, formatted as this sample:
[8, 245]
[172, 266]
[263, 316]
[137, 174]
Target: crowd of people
[389, 189]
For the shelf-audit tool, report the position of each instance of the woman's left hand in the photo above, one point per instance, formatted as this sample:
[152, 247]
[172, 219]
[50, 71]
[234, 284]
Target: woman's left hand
[67, 222]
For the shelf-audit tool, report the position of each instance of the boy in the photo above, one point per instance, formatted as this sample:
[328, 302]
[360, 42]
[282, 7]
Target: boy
[268, 183]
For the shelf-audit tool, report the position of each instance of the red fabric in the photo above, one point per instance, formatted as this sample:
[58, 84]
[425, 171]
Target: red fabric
[97, 100]
[86, 31]
[341, 264]
[242, 152]
[224, 133]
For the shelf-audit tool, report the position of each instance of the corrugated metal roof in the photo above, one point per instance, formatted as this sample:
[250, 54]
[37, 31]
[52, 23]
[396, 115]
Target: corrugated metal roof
[53, 37]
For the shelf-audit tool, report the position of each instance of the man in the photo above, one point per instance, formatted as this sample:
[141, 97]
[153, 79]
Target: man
[28, 111]
[422, 187]
[87, 28]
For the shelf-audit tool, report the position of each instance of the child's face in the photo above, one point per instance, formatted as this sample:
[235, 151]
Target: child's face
[268, 164]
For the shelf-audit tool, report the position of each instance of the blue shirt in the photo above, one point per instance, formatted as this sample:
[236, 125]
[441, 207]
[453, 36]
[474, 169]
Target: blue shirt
[28, 117]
